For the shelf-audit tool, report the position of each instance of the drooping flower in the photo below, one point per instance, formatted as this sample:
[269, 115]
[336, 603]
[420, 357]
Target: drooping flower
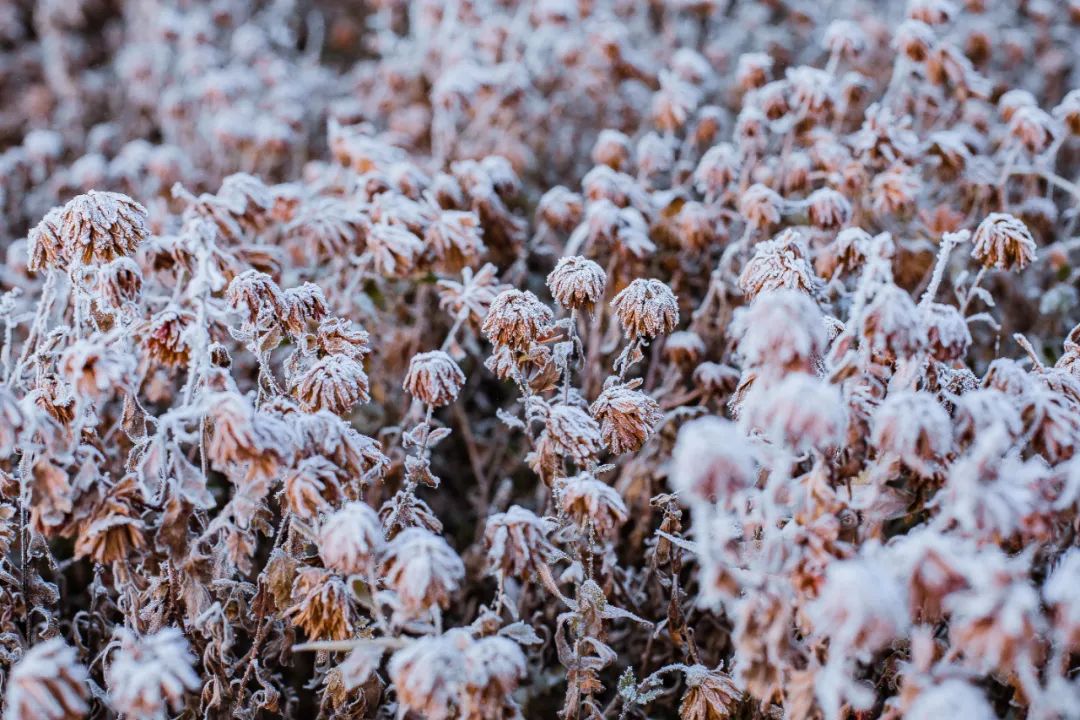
[148, 676]
[433, 378]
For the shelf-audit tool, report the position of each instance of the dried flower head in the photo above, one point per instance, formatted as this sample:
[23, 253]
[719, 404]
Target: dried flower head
[434, 378]
[627, 416]
[711, 462]
[351, 539]
[517, 542]
[335, 383]
[47, 683]
[646, 308]
[148, 676]
[322, 605]
[1004, 242]
[577, 283]
[516, 319]
[592, 504]
[101, 226]
[423, 570]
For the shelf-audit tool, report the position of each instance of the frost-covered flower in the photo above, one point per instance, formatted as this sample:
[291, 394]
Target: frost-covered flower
[592, 503]
[801, 413]
[335, 383]
[322, 605]
[350, 539]
[577, 283]
[627, 416]
[101, 226]
[783, 330]
[516, 319]
[47, 683]
[434, 378]
[149, 675]
[777, 264]
[517, 541]
[914, 427]
[429, 674]
[573, 433]
[422, 569]
[711, 461]
[1004, 242]
[646, 308]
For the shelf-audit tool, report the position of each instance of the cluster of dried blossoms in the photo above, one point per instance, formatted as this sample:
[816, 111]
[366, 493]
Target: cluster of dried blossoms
[321, 397]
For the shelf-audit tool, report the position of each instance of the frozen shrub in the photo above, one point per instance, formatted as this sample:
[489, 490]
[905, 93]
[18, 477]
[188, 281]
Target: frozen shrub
[501, 359]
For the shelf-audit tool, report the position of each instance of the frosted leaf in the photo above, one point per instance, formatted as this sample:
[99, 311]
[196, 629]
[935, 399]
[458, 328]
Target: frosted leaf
[360, 664]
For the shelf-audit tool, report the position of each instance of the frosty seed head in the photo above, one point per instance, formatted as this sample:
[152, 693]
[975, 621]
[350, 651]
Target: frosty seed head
[646, 308]
[1003, 241]
[434, 378]
[577, 283]
[516, 319]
